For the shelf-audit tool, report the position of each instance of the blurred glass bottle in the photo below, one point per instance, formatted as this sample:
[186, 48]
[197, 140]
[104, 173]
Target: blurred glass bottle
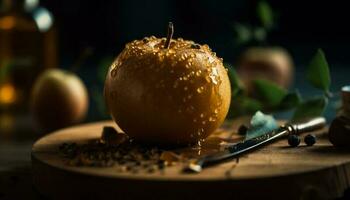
[27, 47]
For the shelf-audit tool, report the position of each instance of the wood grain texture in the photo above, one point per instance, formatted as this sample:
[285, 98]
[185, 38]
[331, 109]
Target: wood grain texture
[275, 171]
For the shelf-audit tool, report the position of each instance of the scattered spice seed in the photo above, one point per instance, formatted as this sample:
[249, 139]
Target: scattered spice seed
[242, 130]
[161, 165]
[110, 150]
[169, 157]
[151, 169]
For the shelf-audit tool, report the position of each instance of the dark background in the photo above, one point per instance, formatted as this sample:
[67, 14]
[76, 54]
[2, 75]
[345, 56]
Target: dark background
[302, 27]
[107, 25]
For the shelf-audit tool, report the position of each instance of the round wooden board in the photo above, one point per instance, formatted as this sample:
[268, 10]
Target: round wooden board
[275, 171]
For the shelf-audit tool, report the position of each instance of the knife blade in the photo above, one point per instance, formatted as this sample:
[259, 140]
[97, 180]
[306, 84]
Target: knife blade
[237, 149]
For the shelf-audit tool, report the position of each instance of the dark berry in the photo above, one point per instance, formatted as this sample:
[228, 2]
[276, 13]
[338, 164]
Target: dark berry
[242, 130]
[293, 140]
[310, 140]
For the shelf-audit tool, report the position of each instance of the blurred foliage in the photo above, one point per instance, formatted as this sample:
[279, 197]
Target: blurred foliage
[270, 93]
[83, 56]
[318, 72]
[270, 97]
[97, 92]
[290, 101]
[103, 67]
[243, 33]
[235, 82]
[310, 108]
[265, 14]
[247, 33]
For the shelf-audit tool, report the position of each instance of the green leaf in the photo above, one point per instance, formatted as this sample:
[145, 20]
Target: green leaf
[243, 105]
[243, 33]
[250, 105]
[236, 86]
[265, 14]
[269, 92]
[290, 101]
[103, 67]
[98, 98]
[317, 72]
[310, 108]
[260, 34]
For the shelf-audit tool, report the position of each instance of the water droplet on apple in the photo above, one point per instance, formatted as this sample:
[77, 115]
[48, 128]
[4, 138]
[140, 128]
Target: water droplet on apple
[114, 72]
[200, 89]
[212, 119]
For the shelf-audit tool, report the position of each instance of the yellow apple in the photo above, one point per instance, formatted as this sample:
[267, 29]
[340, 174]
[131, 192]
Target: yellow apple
[59, 98]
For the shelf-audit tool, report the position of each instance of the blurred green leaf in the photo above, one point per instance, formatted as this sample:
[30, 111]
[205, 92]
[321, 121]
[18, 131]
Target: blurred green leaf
[236, 87]
[290, 101]
[269, 92]
[265, 14]
[317, 72]
[98, 98]
[103, 67]
[243, 33]
[251, 105]
[260, 34]
[310, 108]
[243, 105]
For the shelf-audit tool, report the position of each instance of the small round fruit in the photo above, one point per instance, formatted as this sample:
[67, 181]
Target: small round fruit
[271, 63]
[167, 91]
[293, 140]
[58, 99]
[310, 140]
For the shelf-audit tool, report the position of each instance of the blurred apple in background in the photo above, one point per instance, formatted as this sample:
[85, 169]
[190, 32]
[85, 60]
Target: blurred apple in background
[262, 61]
[59, 98]
[271, 63]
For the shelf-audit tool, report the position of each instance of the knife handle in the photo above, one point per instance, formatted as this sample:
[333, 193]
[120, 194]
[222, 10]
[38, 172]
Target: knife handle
[311, 125]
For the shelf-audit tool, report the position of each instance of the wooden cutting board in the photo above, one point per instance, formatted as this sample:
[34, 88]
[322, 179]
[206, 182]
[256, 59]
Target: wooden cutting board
[276, 171]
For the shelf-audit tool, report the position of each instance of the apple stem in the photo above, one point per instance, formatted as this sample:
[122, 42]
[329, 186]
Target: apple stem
[170, 35]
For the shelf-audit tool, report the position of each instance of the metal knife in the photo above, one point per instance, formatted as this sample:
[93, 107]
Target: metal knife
[247, 145]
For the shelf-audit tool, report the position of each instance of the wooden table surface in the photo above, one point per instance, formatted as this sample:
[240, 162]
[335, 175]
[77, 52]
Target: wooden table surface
[318, 172]
[16, 173]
